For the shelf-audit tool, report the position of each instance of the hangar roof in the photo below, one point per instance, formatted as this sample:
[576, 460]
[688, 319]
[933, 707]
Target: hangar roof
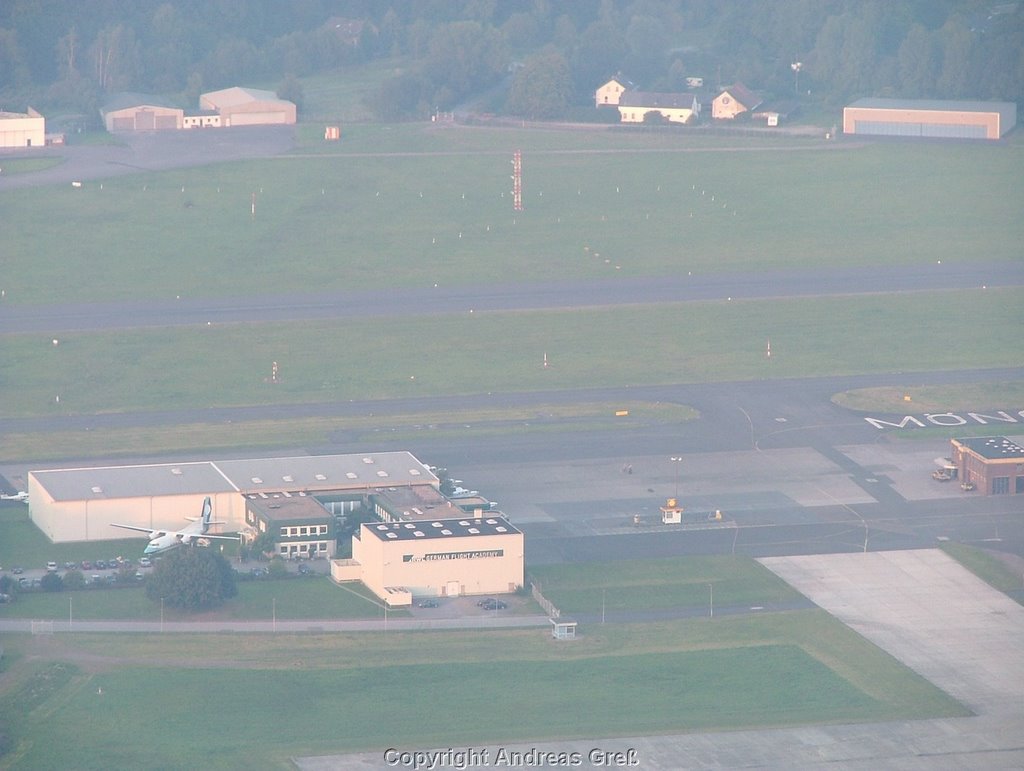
[994, 447]
[236, 95]
[132, 481]
[944, 105]
[440, 528]
[256, 475]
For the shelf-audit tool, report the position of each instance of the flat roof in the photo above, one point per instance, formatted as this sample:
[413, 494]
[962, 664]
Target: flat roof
[307, 473]
[284, 507]
[462, 527]
[994, 447]
[107, 482]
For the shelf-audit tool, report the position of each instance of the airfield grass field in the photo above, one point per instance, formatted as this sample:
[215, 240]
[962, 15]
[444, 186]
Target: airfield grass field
[415, 206]
[87, 700]
[416, 218]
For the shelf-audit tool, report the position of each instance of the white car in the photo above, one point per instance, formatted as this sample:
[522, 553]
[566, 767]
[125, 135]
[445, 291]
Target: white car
[51, 566]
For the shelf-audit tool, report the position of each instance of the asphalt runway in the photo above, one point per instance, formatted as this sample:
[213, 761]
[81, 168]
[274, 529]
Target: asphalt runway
[414, 301]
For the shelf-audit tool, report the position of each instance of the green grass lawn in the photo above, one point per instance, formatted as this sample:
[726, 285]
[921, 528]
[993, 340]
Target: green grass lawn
[351, 221]
[325, 694]
[659, 584]
[87, 700]
[693, 342]
[290, 598]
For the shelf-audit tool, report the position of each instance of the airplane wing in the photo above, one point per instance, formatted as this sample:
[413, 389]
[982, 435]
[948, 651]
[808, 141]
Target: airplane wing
[221, 537]
[152, 533]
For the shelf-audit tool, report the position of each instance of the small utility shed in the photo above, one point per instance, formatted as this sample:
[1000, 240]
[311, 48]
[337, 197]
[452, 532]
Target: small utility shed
[929, 118]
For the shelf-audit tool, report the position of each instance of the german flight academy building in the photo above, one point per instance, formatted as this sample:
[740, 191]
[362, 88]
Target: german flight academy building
[435, 558]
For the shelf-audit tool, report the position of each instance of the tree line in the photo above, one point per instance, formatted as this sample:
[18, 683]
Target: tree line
[535, 58]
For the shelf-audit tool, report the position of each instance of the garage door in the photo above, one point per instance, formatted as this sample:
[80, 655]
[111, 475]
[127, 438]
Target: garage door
[257, 118]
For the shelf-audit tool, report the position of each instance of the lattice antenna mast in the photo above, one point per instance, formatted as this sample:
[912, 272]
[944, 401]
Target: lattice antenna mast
[517, 180]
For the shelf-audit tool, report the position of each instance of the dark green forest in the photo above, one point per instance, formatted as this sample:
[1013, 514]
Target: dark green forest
[536, 58]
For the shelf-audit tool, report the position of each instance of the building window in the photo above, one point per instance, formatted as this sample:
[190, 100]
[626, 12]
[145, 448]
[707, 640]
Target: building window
[1000, 485]
[263, 526]
[323, 529]
[1019, 487]
[284, 532]
[303, 531]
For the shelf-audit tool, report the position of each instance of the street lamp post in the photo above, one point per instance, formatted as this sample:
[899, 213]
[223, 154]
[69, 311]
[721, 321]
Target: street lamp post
[796, 67]
[711, 602]
[676, 460]
[161, 614]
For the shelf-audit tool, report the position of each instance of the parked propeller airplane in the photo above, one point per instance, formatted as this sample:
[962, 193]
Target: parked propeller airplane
[164, 540]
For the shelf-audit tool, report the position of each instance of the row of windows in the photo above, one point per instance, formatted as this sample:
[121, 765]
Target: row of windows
[291, 532]
[302, 548]
[1001, 485]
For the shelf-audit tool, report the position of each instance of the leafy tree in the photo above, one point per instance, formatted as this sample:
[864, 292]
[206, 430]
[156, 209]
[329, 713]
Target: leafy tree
[74, 579]
[464, 57]
[277, 568]
[918, 62]
[192, 578]
[264, 544]
[542, 87]
[51, 582]
[291, 89]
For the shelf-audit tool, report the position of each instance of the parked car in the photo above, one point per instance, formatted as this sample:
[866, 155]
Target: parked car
[51, 566]
[429, 604]
[86, 565]
[494, 605]
[305, 569]
[17, 571]
[70, 565]
[145, 562]
[99, 565]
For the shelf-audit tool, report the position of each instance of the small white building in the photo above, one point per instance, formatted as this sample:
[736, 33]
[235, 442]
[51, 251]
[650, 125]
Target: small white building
[22, 129]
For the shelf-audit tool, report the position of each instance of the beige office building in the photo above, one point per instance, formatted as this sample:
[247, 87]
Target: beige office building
[435, 558]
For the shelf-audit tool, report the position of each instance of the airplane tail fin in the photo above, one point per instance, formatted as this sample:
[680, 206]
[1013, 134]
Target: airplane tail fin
[207, 513]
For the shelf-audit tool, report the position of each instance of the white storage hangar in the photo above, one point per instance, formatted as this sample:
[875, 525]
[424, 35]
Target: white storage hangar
[18, 129]
[79, 504]
[929, 118]
[435, 558]
[140, 112]
[248, 107]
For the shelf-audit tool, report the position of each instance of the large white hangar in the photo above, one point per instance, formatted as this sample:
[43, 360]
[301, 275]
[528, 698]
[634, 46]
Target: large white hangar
[140, 112]
[248, 107]
[929, 118]
[79, 504]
